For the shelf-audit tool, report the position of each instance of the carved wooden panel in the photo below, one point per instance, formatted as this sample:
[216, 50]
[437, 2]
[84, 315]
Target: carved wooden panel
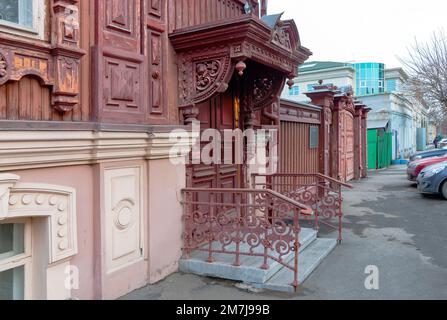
[156, 97]
[156, 8]
[121, 24]
[122, 85]
[130, 56]
[156, 43]
[119, 62]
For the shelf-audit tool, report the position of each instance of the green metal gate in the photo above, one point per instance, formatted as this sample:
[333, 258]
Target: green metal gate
[379, 149]
[372, 149]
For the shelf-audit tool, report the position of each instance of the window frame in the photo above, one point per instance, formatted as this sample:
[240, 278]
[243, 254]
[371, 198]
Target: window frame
[38, 22]
[23, 259]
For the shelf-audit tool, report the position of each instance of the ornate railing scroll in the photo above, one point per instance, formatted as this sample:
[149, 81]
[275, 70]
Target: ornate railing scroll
[243, 222]
[321, 193]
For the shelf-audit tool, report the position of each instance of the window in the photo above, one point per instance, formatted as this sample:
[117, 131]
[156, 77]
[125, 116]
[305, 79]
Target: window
[313, 137]
[18, 12]
[294, 91]
[391, 85]
[23, 17]
[363, 84]
[15, 259]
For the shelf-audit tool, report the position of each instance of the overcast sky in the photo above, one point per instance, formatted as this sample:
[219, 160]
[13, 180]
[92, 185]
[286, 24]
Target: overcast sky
[360, 30]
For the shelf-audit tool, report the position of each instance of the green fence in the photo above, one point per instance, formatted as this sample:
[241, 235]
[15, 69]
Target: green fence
[379, 149]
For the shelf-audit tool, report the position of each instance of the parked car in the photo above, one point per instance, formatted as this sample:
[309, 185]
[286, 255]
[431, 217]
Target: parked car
[442, 143]
[417, 166]
[433, 179]
[428, 154]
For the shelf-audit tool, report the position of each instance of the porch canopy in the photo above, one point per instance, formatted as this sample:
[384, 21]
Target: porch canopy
[209, 54]
[378, 124]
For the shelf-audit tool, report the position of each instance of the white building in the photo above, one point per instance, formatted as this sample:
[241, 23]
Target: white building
[390, 104]
[335, 73]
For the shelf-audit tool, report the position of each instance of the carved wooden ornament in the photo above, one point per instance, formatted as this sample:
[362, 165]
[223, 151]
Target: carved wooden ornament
[67, 54]
[5, 67]
[56, 63]
[209, 55]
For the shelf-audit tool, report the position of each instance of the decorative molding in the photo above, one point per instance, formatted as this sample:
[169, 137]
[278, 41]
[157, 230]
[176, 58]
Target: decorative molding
[40, 149]
[56, 203]
[7, 181]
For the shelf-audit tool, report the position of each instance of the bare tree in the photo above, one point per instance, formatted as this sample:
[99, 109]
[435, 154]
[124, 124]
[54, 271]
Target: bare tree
[426, 65]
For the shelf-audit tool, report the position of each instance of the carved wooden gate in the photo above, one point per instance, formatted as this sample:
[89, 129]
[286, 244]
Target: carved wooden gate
[347, 145]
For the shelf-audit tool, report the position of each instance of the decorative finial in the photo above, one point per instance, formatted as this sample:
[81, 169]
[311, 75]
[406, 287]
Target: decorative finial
[240, 67]
[290, 83]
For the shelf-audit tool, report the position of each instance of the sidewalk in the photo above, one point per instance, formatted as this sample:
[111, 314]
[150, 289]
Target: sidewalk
[387, 224]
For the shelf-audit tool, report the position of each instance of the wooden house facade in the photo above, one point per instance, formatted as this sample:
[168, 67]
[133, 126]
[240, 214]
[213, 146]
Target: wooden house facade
[89, 94]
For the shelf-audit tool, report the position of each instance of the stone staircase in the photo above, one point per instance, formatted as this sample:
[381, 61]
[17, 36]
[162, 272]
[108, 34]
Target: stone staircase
[277, 277]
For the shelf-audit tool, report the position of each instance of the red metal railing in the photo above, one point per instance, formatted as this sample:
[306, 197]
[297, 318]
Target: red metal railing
[243, 222]
[321, 193]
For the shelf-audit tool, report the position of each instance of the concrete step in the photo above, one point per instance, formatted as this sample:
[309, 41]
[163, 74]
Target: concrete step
[309, 260]
[249, 271]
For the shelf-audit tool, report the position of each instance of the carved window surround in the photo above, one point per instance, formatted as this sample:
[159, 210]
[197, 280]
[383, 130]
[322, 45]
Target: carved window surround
[58, 204]
[209, 54]
[57, 63]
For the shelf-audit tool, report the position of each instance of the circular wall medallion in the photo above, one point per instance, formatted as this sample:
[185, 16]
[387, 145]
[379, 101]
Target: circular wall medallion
[123, 218]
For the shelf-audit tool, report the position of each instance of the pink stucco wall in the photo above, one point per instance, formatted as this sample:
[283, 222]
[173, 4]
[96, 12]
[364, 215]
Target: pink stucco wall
[80, 178]
[163, 225]
[165, 219]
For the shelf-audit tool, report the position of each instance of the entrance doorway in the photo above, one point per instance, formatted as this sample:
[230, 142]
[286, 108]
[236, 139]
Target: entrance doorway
[221, 113]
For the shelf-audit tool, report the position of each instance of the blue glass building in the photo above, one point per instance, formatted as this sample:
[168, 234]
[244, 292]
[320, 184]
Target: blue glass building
[370, 78]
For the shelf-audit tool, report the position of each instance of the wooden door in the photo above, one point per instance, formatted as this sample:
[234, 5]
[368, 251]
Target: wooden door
[217, 113]
[347, 147]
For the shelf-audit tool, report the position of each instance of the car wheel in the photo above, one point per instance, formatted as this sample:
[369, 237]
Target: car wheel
[444, 190]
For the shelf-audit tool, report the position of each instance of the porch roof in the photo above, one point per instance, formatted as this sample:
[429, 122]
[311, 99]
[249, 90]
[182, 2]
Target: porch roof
[378, 124]
[271, 41]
